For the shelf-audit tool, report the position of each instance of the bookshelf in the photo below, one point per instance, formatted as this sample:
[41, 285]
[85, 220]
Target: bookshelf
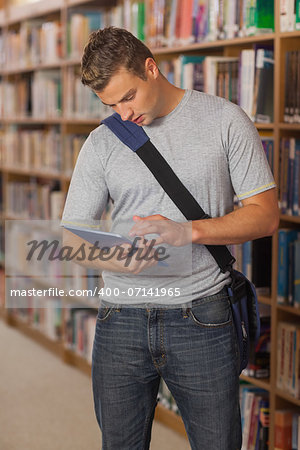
[66, 123]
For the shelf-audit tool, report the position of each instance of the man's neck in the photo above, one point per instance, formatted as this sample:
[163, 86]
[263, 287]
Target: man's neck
[171, 97]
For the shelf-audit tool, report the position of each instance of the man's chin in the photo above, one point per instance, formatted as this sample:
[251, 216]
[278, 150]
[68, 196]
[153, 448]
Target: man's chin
[146, 121]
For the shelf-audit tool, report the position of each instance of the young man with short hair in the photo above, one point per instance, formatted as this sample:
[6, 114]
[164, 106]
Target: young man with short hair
[190, 340]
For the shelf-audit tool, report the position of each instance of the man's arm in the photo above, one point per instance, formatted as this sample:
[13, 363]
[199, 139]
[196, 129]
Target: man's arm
[258, 217]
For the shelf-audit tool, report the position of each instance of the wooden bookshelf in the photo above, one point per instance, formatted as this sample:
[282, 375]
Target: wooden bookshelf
[265, 300]
[262, 383]
[215, 44]
[55, 347]
[170, 419]
[15, 14]
[11, 17]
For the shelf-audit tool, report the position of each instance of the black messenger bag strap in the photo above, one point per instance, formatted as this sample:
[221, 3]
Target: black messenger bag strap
[137, 140]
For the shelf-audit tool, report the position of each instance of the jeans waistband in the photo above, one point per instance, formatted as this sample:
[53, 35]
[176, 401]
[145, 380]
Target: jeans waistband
[183, 306]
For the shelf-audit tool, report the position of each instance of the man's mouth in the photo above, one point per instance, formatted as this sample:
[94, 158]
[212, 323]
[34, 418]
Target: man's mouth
[138, 119]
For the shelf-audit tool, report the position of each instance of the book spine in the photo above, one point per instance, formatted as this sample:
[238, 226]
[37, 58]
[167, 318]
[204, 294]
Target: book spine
[280, 354]
[297, 274]
[291, 167]
[297, 19]
[282, 267]
[283, 429]
[295, 185]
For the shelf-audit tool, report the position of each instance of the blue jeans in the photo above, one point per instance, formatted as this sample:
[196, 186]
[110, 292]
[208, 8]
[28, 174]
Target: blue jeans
[193, 349]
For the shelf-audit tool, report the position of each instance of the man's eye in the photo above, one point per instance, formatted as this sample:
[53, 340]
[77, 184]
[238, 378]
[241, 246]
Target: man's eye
[129, 98]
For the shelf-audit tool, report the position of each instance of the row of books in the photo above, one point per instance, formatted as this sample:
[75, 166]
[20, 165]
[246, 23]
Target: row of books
[253, 258]
[289, 174]
[255, 420]
[36, 95]
[288, 358]
[36, 42]
[80, 324]
[74, 324]
[246, 80]
[129, 14]
[287, 429]
[80, 24]
[259, 358]
[289, 15]
[44, 150]
[72, 147]
[255, 408]
[39, 95]
[292, 87]
[80, 100]
[33, 200]
[181, 22]
[40, 41]
[35, 251]
[47, 151]
[288, 281]
[32, 149]
[44, 315]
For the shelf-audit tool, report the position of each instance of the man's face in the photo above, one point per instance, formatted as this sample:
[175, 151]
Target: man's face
[133, 98]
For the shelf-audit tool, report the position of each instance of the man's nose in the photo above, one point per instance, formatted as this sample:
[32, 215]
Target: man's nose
[125, 112]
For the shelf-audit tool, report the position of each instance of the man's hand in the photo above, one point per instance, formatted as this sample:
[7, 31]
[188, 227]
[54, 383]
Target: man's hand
[118, 259]
[127, 261]
[170, 232]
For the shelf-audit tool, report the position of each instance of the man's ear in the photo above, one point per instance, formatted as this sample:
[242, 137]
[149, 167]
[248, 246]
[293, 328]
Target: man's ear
[151, 68]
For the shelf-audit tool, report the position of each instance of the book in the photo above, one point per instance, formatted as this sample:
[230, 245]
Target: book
[283, 429]
[211, 67]
[295, 420]
[259, 358]
[263, 86]
[297, 18]
[262, 440]
[296, 291]
[295, 182]
[261, 264]
[285, 236]
[248, 405]
[288, 358]
[246, 80]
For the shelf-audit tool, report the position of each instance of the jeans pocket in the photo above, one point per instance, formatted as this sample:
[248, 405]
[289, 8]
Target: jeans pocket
[214, 313]
[104, 312]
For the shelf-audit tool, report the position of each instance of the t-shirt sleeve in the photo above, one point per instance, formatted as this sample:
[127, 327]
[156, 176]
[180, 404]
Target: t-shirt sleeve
[249, 169]
[88, 194]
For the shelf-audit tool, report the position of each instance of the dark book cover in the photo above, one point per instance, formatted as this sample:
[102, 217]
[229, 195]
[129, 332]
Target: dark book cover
[261, 262]
[264, 84]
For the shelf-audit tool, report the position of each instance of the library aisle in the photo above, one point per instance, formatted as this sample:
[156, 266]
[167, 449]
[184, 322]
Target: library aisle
[47, 405]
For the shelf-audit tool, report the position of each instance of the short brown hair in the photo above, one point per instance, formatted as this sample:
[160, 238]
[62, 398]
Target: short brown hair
[107, 51]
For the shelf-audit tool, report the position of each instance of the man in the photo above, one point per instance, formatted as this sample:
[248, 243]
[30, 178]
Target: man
[189, 340]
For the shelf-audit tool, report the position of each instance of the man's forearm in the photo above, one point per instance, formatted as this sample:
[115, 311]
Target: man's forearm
[244, 224]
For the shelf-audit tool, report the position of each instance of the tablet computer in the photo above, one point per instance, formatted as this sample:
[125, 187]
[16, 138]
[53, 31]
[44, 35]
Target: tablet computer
[102, 238]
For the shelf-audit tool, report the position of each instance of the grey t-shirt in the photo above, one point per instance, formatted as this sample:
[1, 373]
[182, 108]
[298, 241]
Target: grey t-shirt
[215, 150]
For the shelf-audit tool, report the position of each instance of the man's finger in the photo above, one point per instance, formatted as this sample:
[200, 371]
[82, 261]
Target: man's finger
[153, 217]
